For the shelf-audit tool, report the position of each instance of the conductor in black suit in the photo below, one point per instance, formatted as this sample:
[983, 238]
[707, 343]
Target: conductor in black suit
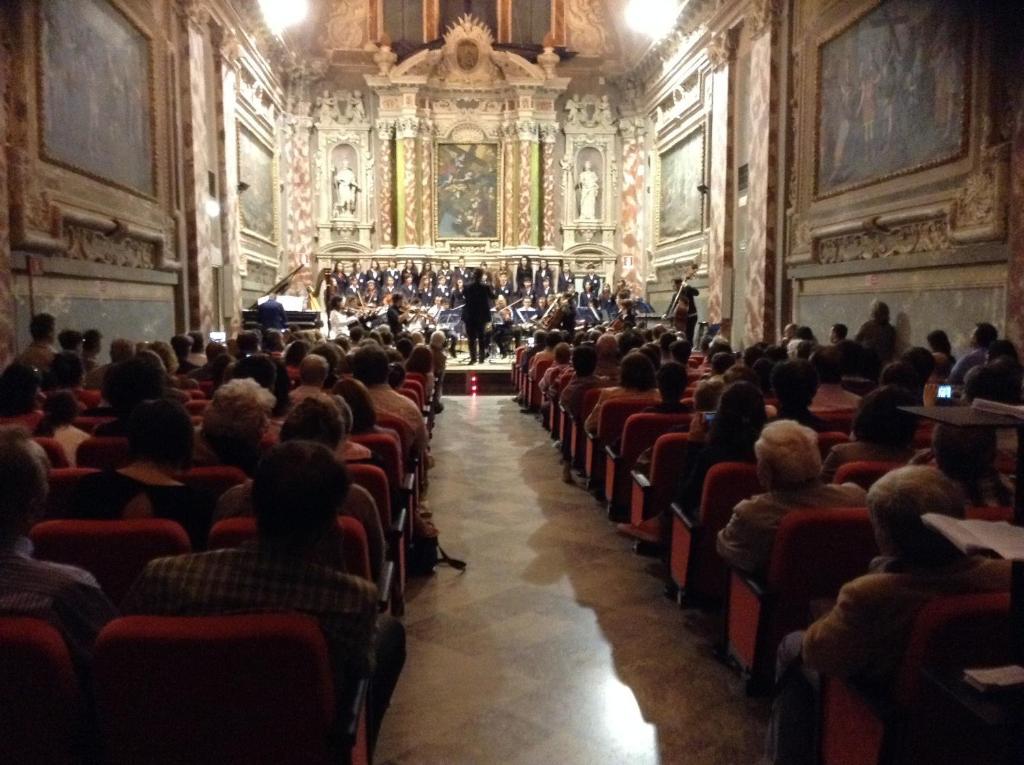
[476, 313]
[271, 315]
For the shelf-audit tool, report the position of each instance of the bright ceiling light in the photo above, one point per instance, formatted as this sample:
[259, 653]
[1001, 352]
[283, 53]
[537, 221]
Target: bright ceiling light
[653, 18]
[281, 14]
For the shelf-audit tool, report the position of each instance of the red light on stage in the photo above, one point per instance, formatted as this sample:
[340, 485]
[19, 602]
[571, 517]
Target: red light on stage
[472, 384]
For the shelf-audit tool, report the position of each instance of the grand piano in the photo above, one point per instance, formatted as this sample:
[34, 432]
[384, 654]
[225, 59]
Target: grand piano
[297, 319]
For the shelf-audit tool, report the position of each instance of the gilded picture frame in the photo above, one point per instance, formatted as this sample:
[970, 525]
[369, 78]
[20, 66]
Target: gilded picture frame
[95, 68]
[467, 191]
[680, 168]
[869, 125]
[258, 204]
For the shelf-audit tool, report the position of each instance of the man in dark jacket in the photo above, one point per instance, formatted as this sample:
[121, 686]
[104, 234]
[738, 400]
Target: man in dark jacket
[271, 314]
[476, 313]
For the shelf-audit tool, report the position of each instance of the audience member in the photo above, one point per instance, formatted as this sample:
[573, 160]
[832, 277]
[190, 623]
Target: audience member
[120, 350]
[831, 395]
[160, 445]
[882, 432]
[92, 342]
[877, 334]
[838, 333]
[65, 597]
[312, 376]
[39, 353]
[59, 413]
[70, 340]
[19, 393]
[968, 456]
[370, 367]
[234, 424]
[125, 386]
[182, 345]
[636, 381]
[795, 384]
[671, 380]
[983, 336]
[295, 496]
[864, 637]
[789, 467]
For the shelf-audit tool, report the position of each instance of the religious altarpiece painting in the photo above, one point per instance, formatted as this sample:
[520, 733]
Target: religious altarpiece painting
[467, 202]
[680, 206]
[258, 203]
[95, 73]
[893, 94]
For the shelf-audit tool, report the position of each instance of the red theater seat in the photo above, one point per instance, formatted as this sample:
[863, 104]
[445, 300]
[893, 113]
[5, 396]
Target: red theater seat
[215, 689]
[913, 725]
[864, 473]
[40, 703]
[612, 420]
[533, 394]
[103, 452]
[694, 564]
[197, 406]
[827, 440]
[63, 484]
[215, 479]
[816, 552]
[653, 495]
[639, 432]
[115, 552]
[54, 452]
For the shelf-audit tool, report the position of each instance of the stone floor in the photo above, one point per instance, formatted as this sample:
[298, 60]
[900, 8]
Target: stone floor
[556, 645]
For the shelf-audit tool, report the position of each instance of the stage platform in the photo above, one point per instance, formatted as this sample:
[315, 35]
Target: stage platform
[491, 378]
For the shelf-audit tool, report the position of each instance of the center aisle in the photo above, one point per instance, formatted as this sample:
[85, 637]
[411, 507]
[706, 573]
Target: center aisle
[556, 645]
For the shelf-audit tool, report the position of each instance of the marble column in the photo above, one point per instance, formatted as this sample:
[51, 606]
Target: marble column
[301, 228]
[231, 250]
[7, 338]
[548, 135]
[408, 128]
[631, 209]
[759, 289]
[720, 226]
[426, 179]
[385, 195]
[527, 130]
[201, 298]
[509, 195]
[1015, 269]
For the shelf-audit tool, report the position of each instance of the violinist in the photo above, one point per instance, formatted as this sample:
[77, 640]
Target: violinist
[339, 318]
[395, 315]
[502, 325]
[627, 314]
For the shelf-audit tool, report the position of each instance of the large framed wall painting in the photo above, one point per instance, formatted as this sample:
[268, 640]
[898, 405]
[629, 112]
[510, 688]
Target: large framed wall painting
[680, 170]
[257, 204]
[893, 93]
[95, 83]
[467, 199]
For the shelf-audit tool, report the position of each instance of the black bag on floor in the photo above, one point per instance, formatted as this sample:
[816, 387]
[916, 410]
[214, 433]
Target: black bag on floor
[425, 554]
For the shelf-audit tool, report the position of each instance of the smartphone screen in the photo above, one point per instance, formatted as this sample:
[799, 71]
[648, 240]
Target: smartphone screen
[218, 337]
[945, 391]
[709, 417]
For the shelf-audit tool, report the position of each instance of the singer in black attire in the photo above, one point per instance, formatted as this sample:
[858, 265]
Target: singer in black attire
[476, 313]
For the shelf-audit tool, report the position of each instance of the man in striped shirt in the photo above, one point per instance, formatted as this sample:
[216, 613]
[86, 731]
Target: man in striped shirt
[66, 597]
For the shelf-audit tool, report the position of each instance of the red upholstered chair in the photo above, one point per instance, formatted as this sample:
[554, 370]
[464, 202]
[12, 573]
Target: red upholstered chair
[28, 421]
[578, 442]
[923, 435]
[89, 423]
[103, 453]
[413, 395]
[54, 451]
[639, 432]
[694, 564]
[88, 398]
[826, 440]
[913, 726]
[515, 365]
[864, 473]
[63, 483]
[215, 689]
[42, 717]
[613, 418]
[838, 420]
[114, 552]
[206, 386]
[397, 526]
[214, 480]
[197, 406]
[816, 552]
[653, 495]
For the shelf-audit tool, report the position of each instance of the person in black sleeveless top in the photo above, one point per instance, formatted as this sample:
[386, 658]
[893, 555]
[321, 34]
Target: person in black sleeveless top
[160, 442]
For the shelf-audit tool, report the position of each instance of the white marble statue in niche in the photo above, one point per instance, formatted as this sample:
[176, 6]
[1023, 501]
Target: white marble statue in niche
[345, 182]
[588, 188]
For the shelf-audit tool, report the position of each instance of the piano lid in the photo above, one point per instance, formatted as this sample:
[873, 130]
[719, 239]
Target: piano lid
[278, 288]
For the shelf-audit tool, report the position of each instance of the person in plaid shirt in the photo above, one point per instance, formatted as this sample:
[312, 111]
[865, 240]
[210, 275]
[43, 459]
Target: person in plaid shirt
[296, 493]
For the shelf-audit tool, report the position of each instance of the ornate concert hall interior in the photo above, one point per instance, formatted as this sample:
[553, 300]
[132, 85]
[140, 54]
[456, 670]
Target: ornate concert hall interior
[779, 168]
